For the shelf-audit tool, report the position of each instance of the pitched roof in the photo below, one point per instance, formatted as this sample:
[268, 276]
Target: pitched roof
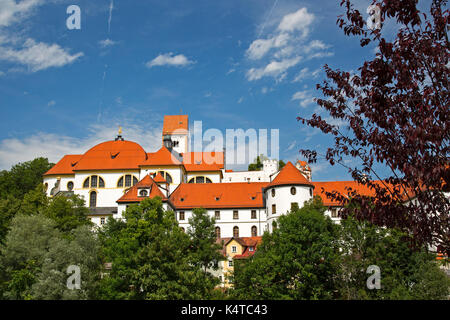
[110, 155]
[178, 124]
[65, 165]
[343, 188]
[162, 157]
[203, 161]
[289, 175]
[246, 243]
[147, 182]
[159, 178]
[219, 195]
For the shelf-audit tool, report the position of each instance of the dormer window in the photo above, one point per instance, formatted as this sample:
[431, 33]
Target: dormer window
[143, 193]
[251, 249]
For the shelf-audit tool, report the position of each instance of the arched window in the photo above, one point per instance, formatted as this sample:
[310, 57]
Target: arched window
[200, 179]
[94, 182]
[273, 192]
[293, 191]
[127, 181]
[236, 232]
[217, 230]
[70, 186]
[143, 193]
[254, 231]
[93, 199]
[311, 192]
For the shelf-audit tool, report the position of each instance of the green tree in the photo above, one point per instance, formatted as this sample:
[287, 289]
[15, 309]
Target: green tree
[68, 212]
[23, 177]
[82, 251]
[298, 260]
[205, 251]
[22, 256]
[281, 164]
[256, 165]
[150, 256]
[405, 273]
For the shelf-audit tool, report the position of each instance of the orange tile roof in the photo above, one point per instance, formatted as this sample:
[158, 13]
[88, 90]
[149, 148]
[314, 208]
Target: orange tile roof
[147, 182]
[342, 187]
[175, 124]
[112, 155]
[203, 161]
[162, 157]
[289, 175]
[246, 243]
[159, 178]
[65, 165]
[219, 195]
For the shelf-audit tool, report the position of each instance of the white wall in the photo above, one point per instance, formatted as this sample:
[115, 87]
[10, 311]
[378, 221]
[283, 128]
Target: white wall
[283, 199]
[227, 223]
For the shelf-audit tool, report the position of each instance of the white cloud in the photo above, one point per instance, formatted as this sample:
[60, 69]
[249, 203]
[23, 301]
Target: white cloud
[304, 97]
[231, 71]
[168, 59]
[297, 21]
[12, 11]
[51, 103]
[55, 146]
[305, 74]
[260, 47]
[285, 46]
[107, 43]
[274, 69]
[38, 56]
[291, 146]
[240, 100]
[2, 73]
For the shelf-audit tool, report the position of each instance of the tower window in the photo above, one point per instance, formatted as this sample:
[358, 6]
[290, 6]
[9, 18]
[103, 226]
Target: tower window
[293, 191]
[273, 192]
[70, 186]
[253, 214]
[274, 209]
[217, 215]
[235, 214]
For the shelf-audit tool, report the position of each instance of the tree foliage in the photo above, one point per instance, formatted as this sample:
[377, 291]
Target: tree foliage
[152, 257]
[299, 260]
[396, 112]
[405, 273]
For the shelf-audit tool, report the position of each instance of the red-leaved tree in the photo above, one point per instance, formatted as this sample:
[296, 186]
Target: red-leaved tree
[396, 111]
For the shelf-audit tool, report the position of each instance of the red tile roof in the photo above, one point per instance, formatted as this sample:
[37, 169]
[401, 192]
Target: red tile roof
[203, 161]
[219, 195]
[159, 178]
[289, 175]
[147, 182]
[175, 124]
[246, 243]
[111, 155]
[65, 165]
[162, 157]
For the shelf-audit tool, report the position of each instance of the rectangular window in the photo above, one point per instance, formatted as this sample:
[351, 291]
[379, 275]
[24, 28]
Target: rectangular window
[102, 220]
[94, 182]
[334, 213]
[217, 215]
[233, 249]
[250, 249]
[235, 214]
[253, 214]
[274, 209]
[127, 181]
[230, 263]
[181, 215]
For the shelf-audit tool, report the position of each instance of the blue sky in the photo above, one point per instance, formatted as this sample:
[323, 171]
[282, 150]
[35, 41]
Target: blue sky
[232, 64]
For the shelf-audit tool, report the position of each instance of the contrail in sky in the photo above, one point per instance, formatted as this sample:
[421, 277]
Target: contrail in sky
[111, 7]
[268, 16]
